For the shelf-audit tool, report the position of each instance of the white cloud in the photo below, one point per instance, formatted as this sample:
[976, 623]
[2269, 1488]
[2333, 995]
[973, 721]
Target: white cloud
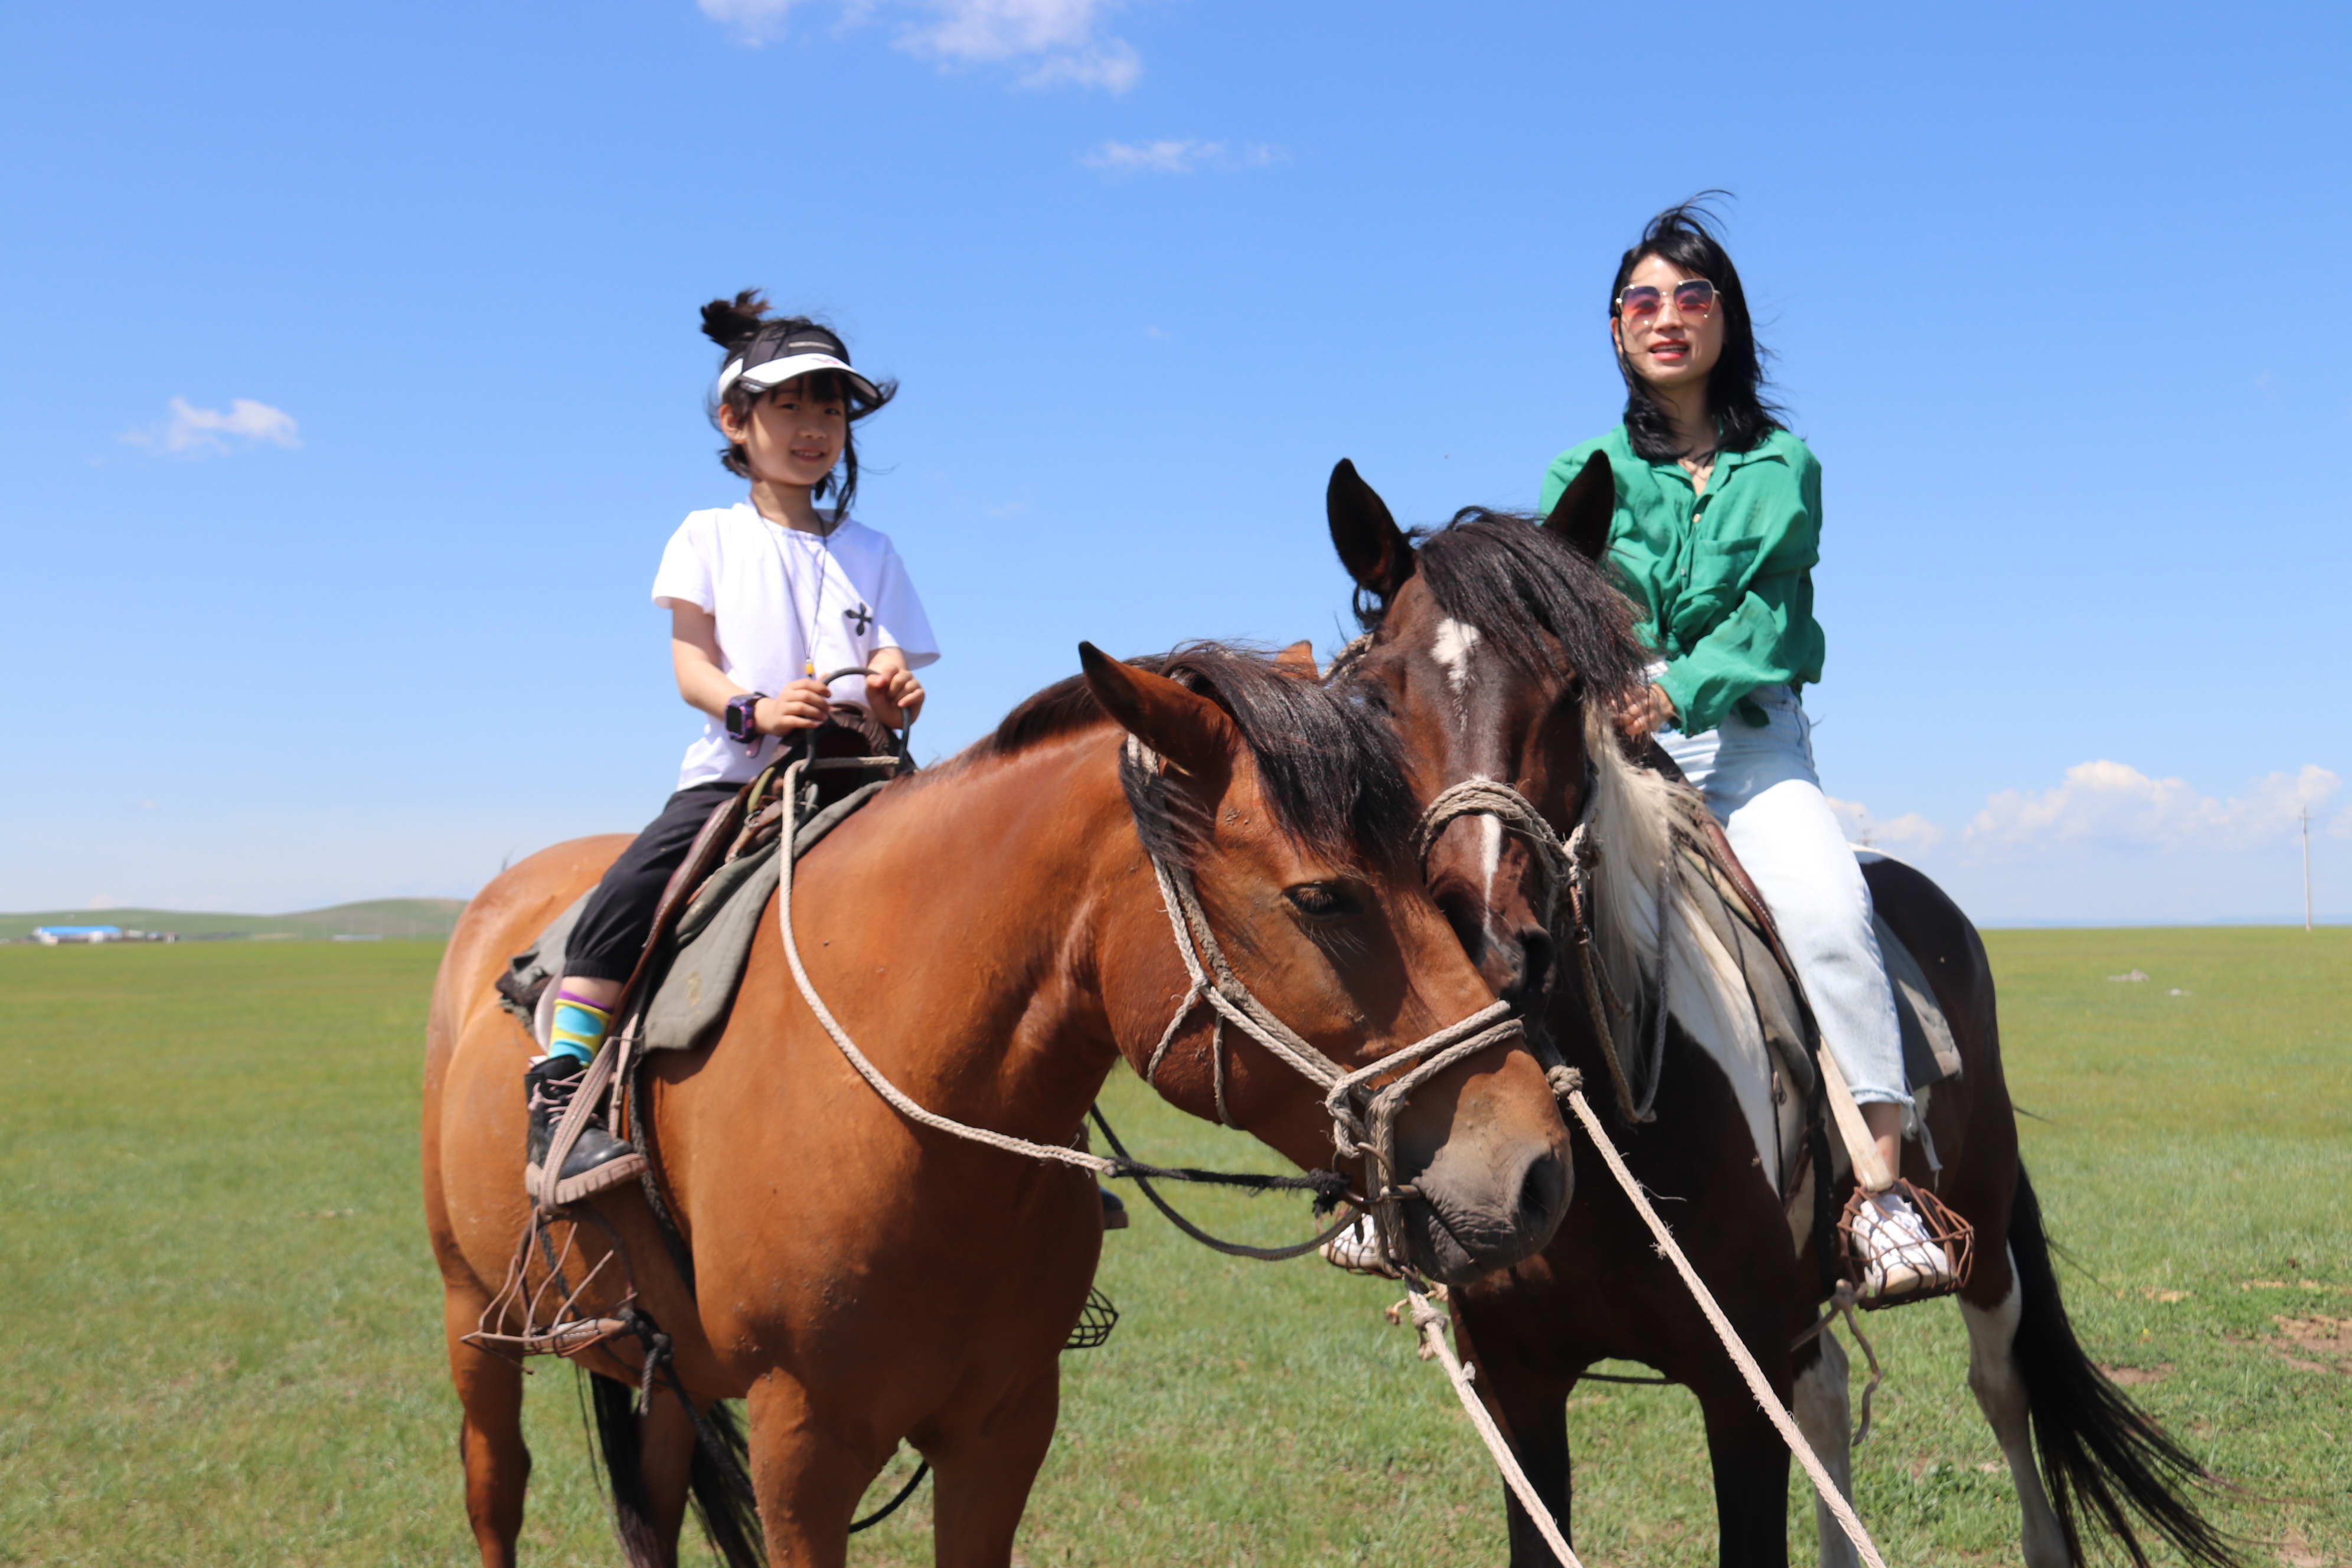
[1179, 157]
[201, 432]
[1909, 833]
[754, 21]
[2110, 802]
[1064, 37]
[1059, 42]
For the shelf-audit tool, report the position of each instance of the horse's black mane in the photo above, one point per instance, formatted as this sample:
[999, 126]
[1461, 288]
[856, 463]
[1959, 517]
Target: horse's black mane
[1327, 765]
[1505, 574]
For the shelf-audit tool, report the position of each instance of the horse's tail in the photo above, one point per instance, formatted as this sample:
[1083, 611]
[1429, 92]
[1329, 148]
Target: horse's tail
[723, 1497]
[2101, 1454]
[616, 1405]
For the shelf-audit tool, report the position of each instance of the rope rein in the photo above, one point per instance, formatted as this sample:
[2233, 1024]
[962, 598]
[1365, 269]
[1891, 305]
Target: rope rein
[1569, 861]
[1831, 1498]
[1430, 1323]
[1363, 1118]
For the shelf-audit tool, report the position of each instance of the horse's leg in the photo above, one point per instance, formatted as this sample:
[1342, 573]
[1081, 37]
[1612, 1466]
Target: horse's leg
[984, 1476]
[664, 1469]
[1530, 1404]
[1751, 1474]
[1826, 1420]
[1999, 1388]
[808, 1482]
[489, 1438]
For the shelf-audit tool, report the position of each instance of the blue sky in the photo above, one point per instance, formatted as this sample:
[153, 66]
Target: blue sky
[352, 385]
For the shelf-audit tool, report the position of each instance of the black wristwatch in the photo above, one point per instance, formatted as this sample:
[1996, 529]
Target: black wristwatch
[742, 723]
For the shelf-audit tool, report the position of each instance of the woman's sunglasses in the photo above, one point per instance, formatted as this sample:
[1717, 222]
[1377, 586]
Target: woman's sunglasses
[1641, 302]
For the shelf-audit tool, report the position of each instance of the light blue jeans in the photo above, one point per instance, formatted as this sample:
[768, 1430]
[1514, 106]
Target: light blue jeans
[1761, 786]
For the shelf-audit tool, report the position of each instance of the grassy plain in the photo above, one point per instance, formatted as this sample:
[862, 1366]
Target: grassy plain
[388, 918]
[221, 1322]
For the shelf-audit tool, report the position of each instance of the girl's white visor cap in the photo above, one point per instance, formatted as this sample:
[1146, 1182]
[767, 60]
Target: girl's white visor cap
[774, 372]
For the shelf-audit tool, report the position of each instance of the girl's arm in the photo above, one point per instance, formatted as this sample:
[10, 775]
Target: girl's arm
[892, 690]
[702, 678]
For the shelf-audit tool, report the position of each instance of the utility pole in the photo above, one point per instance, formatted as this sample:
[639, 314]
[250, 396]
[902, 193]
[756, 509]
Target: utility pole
[2307, 868]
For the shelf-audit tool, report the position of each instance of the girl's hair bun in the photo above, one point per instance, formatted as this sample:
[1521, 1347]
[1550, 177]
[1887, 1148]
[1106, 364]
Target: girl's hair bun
[729, 324]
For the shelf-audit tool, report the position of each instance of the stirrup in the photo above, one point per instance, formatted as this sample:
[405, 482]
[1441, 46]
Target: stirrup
[1950, 1244]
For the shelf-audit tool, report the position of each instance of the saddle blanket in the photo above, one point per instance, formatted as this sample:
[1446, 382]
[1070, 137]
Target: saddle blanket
[694, 989]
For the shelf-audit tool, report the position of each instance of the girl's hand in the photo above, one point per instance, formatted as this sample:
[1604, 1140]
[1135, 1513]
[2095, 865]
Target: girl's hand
[895, 696]
[1649, 709]
[802, 705]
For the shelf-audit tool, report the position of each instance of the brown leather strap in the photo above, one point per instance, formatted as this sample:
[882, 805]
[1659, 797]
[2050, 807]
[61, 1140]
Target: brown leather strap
[701, 858]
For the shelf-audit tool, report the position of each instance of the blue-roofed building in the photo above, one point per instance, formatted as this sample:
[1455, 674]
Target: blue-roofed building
[49, 936]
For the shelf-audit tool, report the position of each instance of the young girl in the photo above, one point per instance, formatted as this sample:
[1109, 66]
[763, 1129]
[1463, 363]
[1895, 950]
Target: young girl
[765, 597]
[1717, 527]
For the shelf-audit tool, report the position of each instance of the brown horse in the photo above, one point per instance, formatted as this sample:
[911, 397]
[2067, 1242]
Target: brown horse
[992, 934]
[1498, 649]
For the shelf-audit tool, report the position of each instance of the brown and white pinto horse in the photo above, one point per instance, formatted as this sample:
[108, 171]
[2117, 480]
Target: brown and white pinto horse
[1497, 647]
[992, 934]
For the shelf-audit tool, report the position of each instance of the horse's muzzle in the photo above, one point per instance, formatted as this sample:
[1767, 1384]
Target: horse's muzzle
[1476, 1214]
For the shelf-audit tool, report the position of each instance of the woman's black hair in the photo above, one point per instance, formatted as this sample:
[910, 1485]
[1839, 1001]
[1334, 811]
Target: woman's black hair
[732, 324]
[1683, 236]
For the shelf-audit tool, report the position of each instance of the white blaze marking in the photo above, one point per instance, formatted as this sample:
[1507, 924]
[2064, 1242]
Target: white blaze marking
[1490, 854]
[1452, 648]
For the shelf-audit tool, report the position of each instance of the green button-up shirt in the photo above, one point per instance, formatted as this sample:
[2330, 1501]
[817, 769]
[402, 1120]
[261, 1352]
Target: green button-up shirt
[1725, 577]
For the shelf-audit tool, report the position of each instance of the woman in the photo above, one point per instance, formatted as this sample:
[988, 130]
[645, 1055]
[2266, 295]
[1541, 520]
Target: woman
[1717, 529]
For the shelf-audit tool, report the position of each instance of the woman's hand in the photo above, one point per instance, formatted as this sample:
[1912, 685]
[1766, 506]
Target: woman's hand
[1648, 710]
[802, 705]
[895, 696]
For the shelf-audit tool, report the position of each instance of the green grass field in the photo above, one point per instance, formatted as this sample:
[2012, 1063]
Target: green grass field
[393, 920]
[221, 1333]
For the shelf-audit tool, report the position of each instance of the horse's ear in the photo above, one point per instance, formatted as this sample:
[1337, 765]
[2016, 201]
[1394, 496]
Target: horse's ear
[1581, 517]
[1188, 730]
[1371, 546]
[1298, 659]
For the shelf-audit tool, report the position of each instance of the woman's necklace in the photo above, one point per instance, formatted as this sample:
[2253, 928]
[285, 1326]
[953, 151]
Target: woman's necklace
[1700, 464]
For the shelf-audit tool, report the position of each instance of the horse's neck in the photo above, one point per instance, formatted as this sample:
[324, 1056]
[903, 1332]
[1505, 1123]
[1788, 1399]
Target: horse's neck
[975, 889]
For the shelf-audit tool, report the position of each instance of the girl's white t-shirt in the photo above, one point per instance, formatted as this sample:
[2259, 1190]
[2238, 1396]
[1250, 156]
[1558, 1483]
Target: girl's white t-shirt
[774, 590]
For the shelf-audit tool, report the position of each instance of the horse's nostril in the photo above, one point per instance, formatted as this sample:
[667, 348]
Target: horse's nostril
[1541, 1194]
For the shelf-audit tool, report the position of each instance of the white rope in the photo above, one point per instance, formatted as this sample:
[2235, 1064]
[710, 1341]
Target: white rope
[1831, 1498]
[1477, 796]
[1232, 1003]
[1431, 1323]
[867, 1069]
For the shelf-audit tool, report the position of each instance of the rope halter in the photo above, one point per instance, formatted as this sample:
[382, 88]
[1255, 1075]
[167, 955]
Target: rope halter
[1561, 863]
[1492, 797]
[1363, 1118]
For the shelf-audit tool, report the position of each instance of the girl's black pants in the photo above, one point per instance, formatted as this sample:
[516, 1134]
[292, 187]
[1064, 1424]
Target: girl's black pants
[611, 930]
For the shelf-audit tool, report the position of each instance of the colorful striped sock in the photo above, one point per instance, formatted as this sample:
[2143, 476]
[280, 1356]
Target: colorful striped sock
[579, 1027]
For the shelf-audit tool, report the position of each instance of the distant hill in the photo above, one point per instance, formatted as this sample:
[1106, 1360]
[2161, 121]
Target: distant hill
[388, 918]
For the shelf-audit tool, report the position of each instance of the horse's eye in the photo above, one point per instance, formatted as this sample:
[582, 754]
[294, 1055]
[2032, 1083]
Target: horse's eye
[1322, 901]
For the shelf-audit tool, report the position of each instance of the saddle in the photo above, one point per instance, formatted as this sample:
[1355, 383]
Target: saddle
[1930, 1054]
[1811, 1160]
[683, 986]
